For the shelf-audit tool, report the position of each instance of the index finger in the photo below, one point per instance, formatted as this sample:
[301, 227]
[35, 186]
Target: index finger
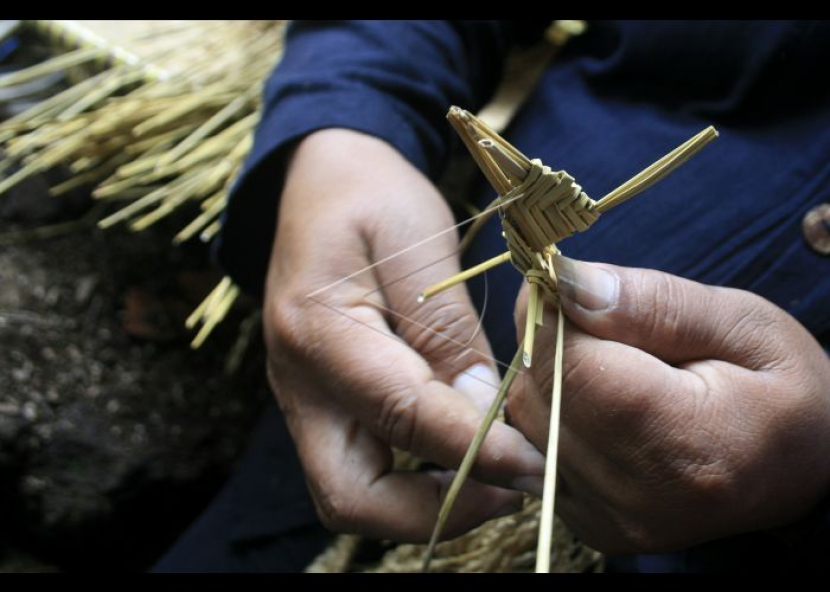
[396, 395]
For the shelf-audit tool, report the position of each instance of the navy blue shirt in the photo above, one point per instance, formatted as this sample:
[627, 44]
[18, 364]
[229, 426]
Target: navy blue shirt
[614, 100]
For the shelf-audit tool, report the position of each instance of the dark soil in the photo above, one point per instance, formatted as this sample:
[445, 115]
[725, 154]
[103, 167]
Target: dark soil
[114, 435]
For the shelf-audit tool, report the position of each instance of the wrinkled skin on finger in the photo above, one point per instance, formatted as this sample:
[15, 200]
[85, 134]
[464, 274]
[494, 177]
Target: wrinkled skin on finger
[689, 412]
[358, 366]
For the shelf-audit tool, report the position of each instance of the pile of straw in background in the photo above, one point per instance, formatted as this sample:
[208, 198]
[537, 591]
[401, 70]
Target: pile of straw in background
[159, 116]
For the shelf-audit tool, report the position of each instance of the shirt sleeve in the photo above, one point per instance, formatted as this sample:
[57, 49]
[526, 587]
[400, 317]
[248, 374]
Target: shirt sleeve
[393, 80]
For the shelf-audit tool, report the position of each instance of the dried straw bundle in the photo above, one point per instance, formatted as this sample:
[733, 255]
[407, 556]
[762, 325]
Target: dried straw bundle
[162, 116]
[504, 545]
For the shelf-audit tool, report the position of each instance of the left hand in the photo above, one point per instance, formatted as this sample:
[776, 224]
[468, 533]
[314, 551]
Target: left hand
[689, 412]
[358, 366]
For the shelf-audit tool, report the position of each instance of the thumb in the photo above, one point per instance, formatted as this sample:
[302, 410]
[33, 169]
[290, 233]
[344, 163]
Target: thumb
[672, 318]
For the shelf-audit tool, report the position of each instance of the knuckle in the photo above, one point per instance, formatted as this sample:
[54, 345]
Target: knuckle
[659, 305]
[397, 418]
[744, 325]
[335, 510]
[747, 328]
[285, 318]
[441, 328]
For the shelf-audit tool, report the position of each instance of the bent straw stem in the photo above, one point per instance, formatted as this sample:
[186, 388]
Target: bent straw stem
[469, 458]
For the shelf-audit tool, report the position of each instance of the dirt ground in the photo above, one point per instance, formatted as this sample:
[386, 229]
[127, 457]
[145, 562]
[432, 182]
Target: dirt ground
[113, 433]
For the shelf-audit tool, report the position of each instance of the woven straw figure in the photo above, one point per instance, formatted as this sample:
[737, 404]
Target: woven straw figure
[538, 208]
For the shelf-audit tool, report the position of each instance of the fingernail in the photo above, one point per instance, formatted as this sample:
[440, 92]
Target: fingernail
[479, 383]
[534, 485]
[588, 285]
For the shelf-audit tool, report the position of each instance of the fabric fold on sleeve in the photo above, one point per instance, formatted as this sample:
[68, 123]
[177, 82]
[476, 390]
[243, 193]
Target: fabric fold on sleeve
[392, 80]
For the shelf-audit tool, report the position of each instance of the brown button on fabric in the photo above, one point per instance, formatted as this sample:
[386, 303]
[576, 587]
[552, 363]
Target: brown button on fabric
[816, 227]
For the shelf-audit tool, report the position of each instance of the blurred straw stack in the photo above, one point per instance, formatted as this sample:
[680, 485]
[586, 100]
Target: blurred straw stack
[158, 114]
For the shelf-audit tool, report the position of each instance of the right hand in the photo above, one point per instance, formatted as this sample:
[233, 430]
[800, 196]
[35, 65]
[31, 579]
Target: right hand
[354, 374]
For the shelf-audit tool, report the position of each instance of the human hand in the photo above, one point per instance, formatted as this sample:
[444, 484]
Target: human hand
[355, 376]
[689, 412]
